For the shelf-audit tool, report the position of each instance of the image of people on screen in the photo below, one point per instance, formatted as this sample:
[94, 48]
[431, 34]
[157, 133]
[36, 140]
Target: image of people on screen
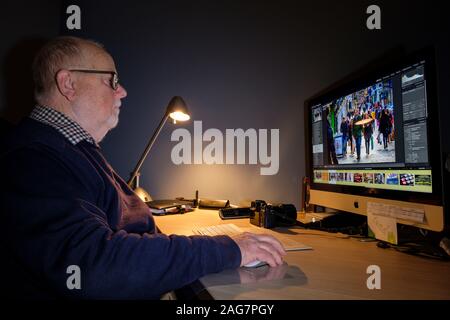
[360, 126]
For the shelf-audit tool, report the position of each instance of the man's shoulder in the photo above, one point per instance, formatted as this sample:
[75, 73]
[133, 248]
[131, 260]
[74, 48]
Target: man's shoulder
[30, 133]
[37, 149]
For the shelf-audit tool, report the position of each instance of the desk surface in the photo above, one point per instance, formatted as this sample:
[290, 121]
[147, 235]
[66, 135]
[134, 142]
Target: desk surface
[336, 268]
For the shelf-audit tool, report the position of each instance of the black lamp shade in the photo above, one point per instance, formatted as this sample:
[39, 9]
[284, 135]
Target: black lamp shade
[177, 109]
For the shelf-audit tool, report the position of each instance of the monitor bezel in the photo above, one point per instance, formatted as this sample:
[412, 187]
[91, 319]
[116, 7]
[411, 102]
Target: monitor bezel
[362, 80]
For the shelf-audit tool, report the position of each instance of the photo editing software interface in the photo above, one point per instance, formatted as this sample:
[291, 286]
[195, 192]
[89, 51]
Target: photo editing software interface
[375, 136]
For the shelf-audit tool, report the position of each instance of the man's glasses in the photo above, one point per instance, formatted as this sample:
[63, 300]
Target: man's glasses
[114, 81]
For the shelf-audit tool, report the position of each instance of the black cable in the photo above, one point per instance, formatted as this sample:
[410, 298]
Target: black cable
[417, 249]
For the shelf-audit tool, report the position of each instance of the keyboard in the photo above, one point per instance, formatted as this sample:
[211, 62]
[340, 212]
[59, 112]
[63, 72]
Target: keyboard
[230, 229]
[220, 229]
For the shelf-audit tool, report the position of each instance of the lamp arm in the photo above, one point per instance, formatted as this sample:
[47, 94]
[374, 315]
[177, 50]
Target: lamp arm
[147, 149]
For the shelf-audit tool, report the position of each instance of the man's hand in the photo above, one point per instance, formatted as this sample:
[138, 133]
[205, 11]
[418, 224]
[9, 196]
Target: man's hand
[259, 247]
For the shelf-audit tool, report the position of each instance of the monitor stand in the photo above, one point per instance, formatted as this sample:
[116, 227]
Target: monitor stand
[337, 221]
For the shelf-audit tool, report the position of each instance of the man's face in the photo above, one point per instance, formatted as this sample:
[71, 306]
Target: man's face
[98, 104]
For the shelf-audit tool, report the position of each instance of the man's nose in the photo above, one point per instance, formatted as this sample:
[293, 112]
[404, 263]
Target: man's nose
[121, 92]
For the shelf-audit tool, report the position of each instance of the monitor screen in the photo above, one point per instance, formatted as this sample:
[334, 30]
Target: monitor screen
[379, 135]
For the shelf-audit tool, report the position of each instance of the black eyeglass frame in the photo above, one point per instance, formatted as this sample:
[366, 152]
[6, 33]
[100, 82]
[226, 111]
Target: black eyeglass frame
[114, 82]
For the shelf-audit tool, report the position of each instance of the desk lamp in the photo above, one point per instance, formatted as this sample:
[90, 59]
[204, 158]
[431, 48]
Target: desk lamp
[177, 110]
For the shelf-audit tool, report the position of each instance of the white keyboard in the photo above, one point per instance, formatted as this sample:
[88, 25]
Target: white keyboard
[230, 229]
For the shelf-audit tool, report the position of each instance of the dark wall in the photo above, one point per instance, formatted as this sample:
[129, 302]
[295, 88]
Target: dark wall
[242, 64]
[25, 26]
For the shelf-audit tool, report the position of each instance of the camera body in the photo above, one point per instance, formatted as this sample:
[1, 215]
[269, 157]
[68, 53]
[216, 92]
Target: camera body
[269, 216]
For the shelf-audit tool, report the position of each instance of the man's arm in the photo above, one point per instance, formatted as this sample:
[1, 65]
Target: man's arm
[51, 222]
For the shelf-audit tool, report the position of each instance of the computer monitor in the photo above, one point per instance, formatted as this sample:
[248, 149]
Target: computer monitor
[373, 143]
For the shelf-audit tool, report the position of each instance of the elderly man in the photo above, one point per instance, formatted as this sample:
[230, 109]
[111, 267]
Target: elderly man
[63, 205]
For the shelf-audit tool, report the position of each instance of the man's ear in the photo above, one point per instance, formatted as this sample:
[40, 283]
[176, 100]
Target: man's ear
[65, 84]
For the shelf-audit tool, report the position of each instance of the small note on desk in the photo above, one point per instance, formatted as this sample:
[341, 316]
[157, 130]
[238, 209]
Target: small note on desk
[382, 228]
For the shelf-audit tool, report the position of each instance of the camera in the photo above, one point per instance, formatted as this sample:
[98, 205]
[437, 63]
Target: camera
[269, 216]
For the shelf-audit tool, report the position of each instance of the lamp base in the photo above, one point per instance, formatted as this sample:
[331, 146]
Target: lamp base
[144, 195]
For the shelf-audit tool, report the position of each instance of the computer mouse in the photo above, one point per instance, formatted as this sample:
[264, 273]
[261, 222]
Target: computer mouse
[255, 264]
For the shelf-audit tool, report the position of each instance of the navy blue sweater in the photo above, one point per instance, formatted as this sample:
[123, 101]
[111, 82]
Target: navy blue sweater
[62, 204]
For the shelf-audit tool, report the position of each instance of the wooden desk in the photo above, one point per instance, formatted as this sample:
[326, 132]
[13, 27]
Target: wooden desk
[334, 269]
